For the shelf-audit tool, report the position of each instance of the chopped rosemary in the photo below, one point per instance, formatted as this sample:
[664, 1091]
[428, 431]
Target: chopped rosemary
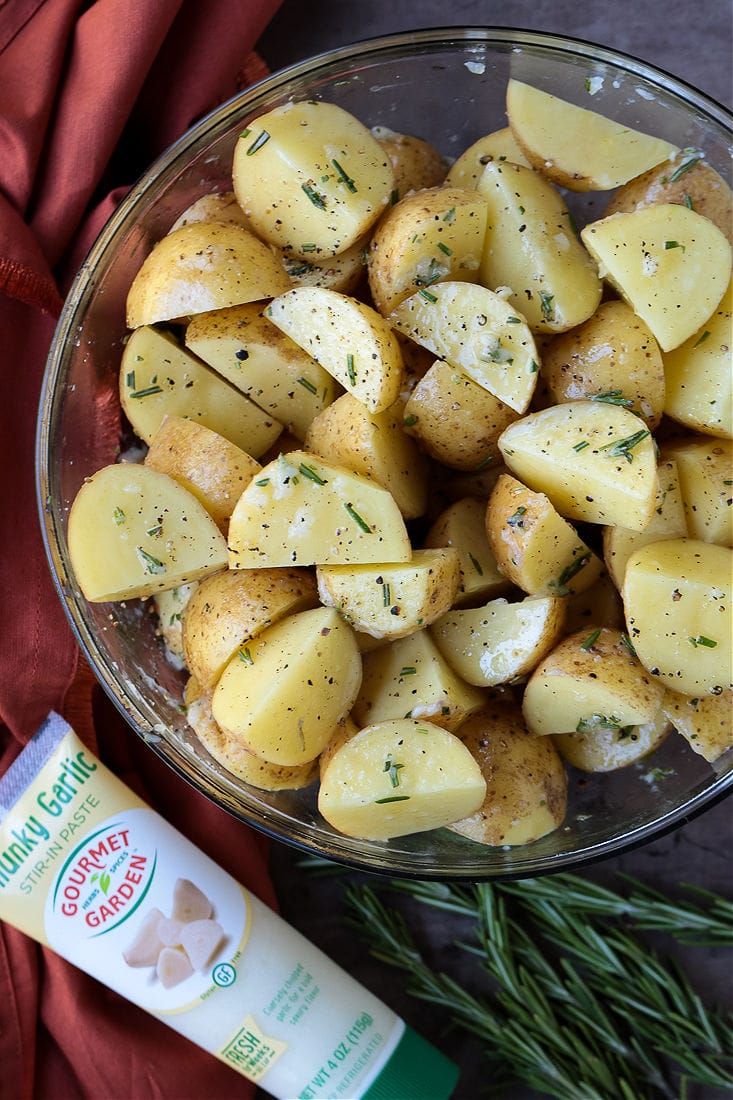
[392, 798]
[156, 531]
[685, 167]
[571, 570]
[119, 516]
[344, 177]
[410, 420]
[262, 482]
[476, 564]
[548, 309]
[148, 391]
[613, 397]
[150, 564]
[259, 141]
[445, 249]
[703, 641]
[246, 656]
[307, 384]
[386, 595]
[597, 722]
[591, 640]
[623, 447]
[393, 769]
[495, 353]
[360, 522]
[582, 445]
[514, 320]
[450, 215]
[701, 339]
[516, 520]
[311, 474]
[688, 202]
[351, 370]
[673, 244]
[427, 295]
[313, 195]
[408, 670]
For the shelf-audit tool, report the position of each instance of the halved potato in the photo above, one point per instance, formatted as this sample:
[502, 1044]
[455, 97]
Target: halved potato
[462, 525]
[699, 381]
[231, 753]
[217, 206]
[409, 678]
[457, 421]
[391, 601]
[590, 681]
[593, 460]
[202, 266]
[612, 356]
[500, 145]
[204, 462]
[667, 522]
[532, 248]
[415, 163]
[526, 783]
[374, 445]
[478, 333]
[432, 235]
[534, 547]
[399, 777]
[158, 377]
[669, 263]
[134, 531]
[283, 694]
[231, 607]
[678, 599]
[705, 468]
[500, 642]
[311, 178]
[578, 148]
[255, 356]
[703, 720]
[607, 750]
[349, 339]
[301, 510]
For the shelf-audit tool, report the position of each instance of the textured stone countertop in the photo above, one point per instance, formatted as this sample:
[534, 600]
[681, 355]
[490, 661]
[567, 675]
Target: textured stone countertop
[694, 42]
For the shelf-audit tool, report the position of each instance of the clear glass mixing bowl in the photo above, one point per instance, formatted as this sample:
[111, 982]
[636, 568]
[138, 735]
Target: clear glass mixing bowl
[448, 86]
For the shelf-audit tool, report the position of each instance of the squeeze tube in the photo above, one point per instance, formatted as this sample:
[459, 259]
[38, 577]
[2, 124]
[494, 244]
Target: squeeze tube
[91, 871]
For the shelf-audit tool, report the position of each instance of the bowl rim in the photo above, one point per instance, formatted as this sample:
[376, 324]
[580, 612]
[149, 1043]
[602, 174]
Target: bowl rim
[216, 122]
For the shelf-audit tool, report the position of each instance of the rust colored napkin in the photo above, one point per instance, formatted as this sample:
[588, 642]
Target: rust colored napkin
[90, 94]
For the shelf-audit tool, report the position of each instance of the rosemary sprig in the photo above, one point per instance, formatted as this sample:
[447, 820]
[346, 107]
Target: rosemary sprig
[578, 1007]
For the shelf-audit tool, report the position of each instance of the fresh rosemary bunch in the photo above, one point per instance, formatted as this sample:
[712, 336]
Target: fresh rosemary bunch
[577, 1006]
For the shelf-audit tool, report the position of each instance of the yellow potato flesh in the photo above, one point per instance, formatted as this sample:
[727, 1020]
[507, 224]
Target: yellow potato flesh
[462, 525]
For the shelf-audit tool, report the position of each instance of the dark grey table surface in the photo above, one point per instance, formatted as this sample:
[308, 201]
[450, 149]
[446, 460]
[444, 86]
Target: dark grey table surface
[695, 42]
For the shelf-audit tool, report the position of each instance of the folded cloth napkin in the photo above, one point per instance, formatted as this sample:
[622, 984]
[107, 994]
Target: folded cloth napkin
[90, 93]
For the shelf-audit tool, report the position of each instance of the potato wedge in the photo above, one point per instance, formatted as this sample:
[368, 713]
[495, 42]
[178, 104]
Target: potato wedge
[607, 750]
[303, 511]
[678, 598]
[432, 235]
[409, 678]
[462, 525]
[255, 356]
[612, 356]
[218, 206]
[500, 145]
[590, 681]
[232, 755]
[134, 531]
[686, 179]
[500, 642]
[158, 377]
[703, 720]
[415, 163]
[456, 421]
[204, 462]
[399, 777]
[391, 601]
[230, 608]
[374, 445]
[478, 333]
[526, 783]
[533, 546]
[349, 339]
[532, 248]
[311, 178]
[284, 693]
[202, 266]
[669, 263]
[592, 460]
[705, 468]
[667, 522]
[698, 378]
[578, 148]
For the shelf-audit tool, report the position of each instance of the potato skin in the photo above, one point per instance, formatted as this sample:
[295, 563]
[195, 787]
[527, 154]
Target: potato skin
[526, 782]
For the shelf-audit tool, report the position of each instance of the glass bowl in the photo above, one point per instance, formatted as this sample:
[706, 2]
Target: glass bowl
[446, 85]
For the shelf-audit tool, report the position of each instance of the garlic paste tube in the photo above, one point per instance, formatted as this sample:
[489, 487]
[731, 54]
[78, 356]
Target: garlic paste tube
[91, 871]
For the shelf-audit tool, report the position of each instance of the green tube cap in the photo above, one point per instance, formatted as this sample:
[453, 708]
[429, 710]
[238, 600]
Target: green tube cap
[416, 1070]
